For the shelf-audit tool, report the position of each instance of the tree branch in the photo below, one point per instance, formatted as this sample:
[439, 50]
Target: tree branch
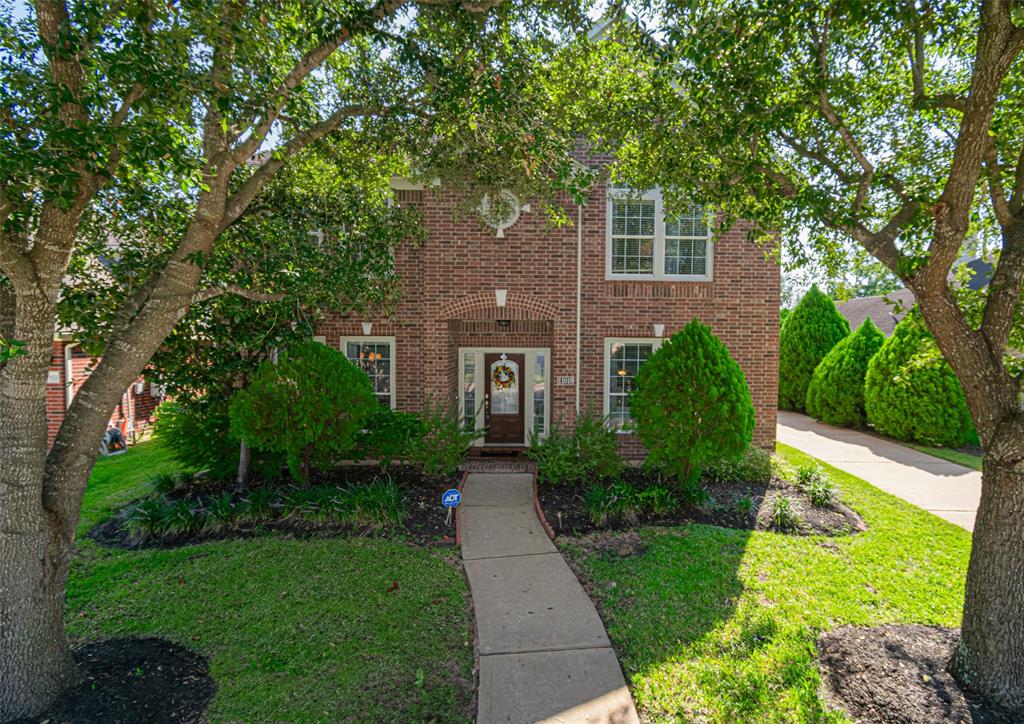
[206, 294]
[995, 185]
[1004, 290]
[241, 199]
[278, 98]
[922, 99]
[1017, 199]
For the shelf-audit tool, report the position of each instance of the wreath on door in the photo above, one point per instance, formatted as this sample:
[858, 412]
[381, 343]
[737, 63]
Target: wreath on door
[503, 377]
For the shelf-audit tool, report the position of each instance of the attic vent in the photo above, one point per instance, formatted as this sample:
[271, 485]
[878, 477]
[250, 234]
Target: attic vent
[408, 197]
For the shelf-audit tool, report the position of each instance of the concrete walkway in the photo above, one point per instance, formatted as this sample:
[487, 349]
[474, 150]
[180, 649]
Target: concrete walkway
[945, 489]
[544, 653]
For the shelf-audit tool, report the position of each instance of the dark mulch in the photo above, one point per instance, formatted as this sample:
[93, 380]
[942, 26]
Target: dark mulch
[135, 680]
[898, 673]
[424, 524]
[563, 509]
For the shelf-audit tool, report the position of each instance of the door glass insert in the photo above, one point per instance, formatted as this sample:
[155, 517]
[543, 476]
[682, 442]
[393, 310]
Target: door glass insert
[504, 387]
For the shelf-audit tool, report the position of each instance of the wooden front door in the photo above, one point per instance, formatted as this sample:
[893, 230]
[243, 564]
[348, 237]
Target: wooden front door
[505, 397]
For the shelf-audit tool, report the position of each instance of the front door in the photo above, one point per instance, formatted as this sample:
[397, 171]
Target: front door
[503, 406]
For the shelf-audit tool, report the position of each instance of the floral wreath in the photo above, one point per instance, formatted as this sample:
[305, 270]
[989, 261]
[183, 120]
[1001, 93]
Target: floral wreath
[503, 377]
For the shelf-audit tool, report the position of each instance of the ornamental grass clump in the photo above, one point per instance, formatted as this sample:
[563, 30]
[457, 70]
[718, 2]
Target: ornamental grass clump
[692, 405]
[811, 330]
[308, 405]
[836, 393]
[911, 393]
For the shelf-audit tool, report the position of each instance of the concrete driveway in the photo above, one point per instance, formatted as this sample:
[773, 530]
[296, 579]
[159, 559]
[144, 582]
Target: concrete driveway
[945, 489]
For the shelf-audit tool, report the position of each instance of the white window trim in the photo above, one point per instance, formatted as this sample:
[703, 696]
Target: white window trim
[528, 374]
[659, 241]
[359, 339]
[606, 396]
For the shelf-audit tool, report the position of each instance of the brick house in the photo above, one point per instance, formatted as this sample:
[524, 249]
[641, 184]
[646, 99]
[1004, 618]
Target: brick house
[563, 315]
[70, 366]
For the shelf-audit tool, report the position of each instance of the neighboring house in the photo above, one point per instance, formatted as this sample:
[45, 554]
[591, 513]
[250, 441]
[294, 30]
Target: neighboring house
[526, 325]
[886, 310]
[70, 366]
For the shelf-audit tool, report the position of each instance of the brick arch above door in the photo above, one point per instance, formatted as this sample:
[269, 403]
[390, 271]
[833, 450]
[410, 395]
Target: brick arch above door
[483, 306]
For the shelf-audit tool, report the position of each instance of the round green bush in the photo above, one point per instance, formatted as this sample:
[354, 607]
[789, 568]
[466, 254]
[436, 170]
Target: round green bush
[911, 393]
[691, 404]
[836, 393]
[811, 330]
[309, 406]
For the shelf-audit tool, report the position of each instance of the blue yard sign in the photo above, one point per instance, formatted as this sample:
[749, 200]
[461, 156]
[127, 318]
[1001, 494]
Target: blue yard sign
[451, 498]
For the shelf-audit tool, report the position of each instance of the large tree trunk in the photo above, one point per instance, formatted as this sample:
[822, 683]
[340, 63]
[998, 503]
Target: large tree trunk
[34, 660]
[990, 659]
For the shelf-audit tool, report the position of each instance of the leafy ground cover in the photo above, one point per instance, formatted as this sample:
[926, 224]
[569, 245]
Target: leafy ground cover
[319, 629]
[716, 624]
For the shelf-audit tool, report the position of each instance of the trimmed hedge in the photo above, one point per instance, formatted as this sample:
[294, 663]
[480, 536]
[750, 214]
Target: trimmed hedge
[836, 393]
[811, 330]
[911, 393]
[691, 404]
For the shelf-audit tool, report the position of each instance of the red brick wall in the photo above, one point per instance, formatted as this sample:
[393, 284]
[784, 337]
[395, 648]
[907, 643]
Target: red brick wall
[448, 292]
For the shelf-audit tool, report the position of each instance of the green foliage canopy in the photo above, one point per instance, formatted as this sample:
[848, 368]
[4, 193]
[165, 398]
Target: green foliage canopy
[810, 332]
[836, 392]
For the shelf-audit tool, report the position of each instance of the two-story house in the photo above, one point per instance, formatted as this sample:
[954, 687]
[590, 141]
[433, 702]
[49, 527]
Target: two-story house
[526, 325]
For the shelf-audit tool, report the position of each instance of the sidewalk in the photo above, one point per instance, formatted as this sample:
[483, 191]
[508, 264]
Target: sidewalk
[945, 489]
[544, 653]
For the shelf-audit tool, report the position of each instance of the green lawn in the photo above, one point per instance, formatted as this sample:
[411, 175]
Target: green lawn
[296, 630]
[720, 625]
[953, 456]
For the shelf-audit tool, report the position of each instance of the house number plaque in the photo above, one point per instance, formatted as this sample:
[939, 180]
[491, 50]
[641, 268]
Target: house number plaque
[565, 380]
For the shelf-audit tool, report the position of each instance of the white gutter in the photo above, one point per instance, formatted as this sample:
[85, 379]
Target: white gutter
[579, 296]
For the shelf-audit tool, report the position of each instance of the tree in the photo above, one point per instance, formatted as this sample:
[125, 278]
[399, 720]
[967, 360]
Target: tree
[691, 404]
[836, 392]
[198, 105]
[910, 392]
[863, 276]
[898, 126]
[810, 332]
[309, 405]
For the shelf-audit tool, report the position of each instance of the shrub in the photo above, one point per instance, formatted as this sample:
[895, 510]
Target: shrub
[198, 436]
[755, 466]
[167, 482]
[444, 442]
[811, 330]
[785, 513]
[588, 453]
[309, 406]
[744, 505]
[622, 501]
[388, 436]
[836, 393]
[816, 485]
[911, 393]
[691, 404]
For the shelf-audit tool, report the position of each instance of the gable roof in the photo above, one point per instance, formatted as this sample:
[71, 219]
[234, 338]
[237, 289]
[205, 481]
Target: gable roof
[884, 310]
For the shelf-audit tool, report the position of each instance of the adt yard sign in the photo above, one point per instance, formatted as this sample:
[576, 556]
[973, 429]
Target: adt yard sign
[451, 498]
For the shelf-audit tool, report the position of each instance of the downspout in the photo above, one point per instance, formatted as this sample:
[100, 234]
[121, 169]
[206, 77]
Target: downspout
[579, 297]
[69, 390]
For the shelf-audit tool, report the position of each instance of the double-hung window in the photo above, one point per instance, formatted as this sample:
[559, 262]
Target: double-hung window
[376, 357]
[622, 360]
[645, 244]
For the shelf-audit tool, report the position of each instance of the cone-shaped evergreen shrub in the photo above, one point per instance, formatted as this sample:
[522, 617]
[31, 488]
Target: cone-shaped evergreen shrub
[836, 392]
[691, 404]
[911, 393]
[812, 329]
[309, 405]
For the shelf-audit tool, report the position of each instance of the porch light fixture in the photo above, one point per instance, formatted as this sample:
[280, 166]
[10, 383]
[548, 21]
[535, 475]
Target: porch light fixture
[659, 329]
[367, 328]
[500, 297]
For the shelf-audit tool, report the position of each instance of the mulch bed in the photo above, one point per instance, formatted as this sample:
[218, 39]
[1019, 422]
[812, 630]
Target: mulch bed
[563, 509]
[898, 673]
[424, 523]
[135, 680]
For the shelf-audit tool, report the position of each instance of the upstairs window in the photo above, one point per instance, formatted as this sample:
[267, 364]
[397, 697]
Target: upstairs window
[644, 244]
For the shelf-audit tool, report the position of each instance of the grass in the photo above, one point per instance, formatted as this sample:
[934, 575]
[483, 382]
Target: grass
[720, 625]
[954, 456]
[297, 630]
